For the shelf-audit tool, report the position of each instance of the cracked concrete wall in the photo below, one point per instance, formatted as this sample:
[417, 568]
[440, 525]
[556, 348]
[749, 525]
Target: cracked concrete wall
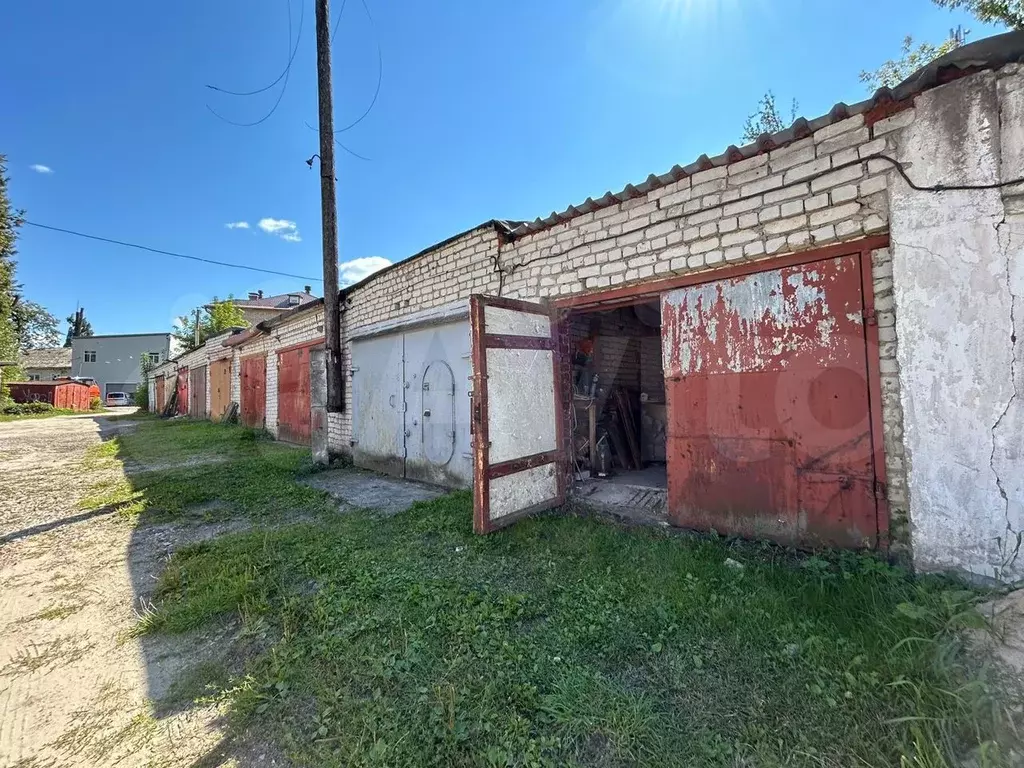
[958, 279]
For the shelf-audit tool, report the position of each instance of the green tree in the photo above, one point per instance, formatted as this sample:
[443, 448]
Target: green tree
[767, 118]
[216, 317]
[10, 220]
[35, 326]
[894, 71]
[85, 330]
[1008, 12]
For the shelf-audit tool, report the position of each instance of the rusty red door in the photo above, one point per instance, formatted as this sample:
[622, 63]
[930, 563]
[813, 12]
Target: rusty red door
[158, 406]
[182, 387]
[197, 393]
[293, 401]
[254, 391]
[769, 431]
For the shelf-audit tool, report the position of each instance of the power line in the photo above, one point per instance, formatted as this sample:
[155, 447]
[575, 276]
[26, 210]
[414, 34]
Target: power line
[380, 78]
[285, 75]
[168, 253]
[336, 141]
[337, 22]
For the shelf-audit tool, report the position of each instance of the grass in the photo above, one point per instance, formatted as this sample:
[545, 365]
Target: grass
[181, 466]
[45, 415]
[560, 641]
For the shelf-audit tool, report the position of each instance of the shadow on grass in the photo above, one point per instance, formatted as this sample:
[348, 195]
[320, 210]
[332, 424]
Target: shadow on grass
[407, 640]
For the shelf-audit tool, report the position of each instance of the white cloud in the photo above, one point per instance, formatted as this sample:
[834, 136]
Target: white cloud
[353, 271]
[275, 226]
[41, 168]
[286, 230]
[237, 225]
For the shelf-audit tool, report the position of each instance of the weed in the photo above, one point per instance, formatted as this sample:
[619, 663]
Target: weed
[60, 651]
[411, 641]
[56, 612]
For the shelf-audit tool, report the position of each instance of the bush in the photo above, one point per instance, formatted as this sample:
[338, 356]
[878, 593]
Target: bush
[141, 396]
[95, 404]
[10, 408]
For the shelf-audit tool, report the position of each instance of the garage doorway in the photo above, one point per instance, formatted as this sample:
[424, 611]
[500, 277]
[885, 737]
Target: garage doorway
[618, 414]
[772, 396]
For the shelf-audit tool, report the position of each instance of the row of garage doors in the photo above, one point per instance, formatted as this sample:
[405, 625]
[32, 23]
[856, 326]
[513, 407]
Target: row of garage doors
[298, 368]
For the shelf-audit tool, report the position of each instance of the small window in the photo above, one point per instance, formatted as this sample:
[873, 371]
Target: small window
[294, 299]
[33, 377]
[153, 357]
[90, 355]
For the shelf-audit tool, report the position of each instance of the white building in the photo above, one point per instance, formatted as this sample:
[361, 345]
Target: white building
[115, 361]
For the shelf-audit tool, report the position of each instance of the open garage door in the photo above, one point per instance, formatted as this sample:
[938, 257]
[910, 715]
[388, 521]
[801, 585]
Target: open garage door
[517, 422]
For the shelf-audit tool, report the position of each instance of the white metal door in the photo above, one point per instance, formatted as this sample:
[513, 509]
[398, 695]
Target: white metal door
[437, 371]
[517, 412]
[378, 404]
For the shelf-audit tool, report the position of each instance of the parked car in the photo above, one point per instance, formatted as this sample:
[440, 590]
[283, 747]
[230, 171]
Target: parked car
[115, 399]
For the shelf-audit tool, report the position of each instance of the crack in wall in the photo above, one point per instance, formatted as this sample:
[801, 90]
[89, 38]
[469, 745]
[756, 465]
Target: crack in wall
[1013, 381]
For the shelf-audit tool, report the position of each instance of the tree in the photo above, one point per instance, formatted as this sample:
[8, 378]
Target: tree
[216, 317]
[895, 71]
[34, 325]
[1008, 12]
[10, 220]
[767, 118]
[85, 330]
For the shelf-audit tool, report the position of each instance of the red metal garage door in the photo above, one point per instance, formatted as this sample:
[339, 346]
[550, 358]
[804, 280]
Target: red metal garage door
[770, 426]
[182, 387]
[254, 391]
[197, 393]
[293, 420]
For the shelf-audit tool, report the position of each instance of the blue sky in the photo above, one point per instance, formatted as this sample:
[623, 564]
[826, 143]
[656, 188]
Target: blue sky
[487, 110]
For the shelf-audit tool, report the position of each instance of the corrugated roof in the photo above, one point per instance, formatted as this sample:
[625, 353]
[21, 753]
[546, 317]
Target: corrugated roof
[50, 357]
[989, 53]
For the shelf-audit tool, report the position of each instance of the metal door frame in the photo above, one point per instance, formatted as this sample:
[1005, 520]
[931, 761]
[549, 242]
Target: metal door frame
[483, 470]
[635, 294]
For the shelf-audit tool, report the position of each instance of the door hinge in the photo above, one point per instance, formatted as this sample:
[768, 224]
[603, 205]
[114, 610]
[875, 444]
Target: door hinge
[870, 317]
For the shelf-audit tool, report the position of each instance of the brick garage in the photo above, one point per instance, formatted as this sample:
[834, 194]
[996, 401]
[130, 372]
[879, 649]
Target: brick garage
[827, 181]
[947, 412]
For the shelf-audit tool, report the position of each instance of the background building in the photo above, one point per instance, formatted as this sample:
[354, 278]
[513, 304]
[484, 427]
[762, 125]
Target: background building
[115, 361]
[46, 364]
[257, 307]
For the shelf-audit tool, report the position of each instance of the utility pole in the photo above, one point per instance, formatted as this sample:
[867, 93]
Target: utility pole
[328, 209]
[197, 340]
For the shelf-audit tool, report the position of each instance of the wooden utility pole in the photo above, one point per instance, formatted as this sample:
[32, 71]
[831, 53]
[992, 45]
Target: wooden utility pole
[198, 339]
[328, 209]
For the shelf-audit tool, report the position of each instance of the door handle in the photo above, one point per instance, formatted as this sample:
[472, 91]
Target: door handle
[426, 414]
[391, 401]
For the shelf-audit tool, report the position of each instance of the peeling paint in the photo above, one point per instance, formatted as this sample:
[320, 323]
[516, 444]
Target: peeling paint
[753, 322]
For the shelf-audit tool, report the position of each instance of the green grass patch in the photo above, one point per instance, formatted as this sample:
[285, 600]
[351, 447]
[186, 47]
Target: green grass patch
[41, 415]
[179, 467]
[565, 641]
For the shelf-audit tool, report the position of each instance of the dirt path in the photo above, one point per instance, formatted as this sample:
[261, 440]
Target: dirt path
[74, 689]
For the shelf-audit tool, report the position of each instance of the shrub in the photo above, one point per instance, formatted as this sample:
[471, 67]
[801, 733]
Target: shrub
[10, 408]
[141, 396]
[95, 404]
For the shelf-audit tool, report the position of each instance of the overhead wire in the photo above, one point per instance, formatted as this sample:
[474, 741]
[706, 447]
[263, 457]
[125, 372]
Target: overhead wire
[376, 92]
[284, 75]
[163, 252]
